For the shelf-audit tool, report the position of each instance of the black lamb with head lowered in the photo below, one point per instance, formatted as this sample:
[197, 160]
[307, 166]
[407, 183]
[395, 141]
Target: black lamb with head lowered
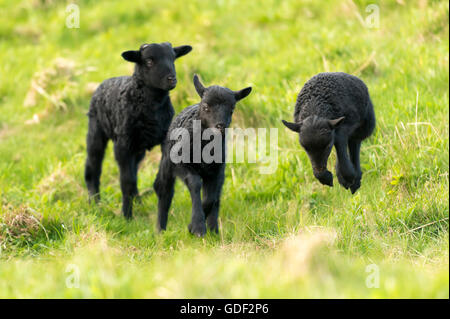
[202, 168]
[334, 109]
[133, 111]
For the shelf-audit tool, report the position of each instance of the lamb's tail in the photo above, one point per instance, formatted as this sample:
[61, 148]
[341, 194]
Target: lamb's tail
[370, 118]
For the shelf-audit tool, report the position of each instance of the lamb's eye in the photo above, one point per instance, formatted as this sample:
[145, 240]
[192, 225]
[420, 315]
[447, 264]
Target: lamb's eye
[149, 62]
[205, 107]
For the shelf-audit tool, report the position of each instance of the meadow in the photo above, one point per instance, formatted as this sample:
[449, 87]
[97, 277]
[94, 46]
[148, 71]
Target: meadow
[282, 235]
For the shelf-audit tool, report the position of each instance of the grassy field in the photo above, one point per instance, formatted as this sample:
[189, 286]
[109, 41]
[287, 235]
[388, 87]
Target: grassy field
[283, 235]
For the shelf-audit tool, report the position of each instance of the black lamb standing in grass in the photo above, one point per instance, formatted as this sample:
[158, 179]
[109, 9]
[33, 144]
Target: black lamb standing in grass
[133, 111]
[334, 109]
[213, 114]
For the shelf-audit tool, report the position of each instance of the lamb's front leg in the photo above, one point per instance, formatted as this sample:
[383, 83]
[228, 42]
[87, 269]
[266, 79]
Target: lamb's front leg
[197, 225]
[211, 199]
[344, 168]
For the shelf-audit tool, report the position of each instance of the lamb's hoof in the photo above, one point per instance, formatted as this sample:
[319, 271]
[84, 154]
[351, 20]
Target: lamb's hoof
[128, 216]
[214, 229]
[345, 181]
[198, 230]
[138, 199]
[328, 183]
[95, 198]
[355, 186]
[325, 178]
[212, 224]
[160, 229]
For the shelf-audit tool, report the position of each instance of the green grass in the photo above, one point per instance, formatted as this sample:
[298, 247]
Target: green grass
[283, 235]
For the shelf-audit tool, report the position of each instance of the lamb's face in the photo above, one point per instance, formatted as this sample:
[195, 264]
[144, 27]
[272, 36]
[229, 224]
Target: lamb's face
[216, 108]
[316, 136]
[217, 105]
[155, 63]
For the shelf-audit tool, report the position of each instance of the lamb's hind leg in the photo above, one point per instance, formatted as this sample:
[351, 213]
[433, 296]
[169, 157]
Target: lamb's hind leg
[164, 188]
[354, 147]
[96, 144]
[137, 159]
[344, 167]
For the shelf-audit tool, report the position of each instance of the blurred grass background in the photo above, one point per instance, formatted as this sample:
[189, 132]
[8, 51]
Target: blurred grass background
[282, 235]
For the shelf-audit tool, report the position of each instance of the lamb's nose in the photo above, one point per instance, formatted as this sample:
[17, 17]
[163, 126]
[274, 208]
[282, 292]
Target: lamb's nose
[171, 78]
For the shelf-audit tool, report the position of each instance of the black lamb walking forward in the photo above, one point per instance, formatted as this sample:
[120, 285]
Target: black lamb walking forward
[133, 111]
[201, 168]
[334, 109]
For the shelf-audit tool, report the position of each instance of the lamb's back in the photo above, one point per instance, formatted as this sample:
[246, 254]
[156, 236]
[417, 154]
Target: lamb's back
[185, 118]
[332, 95]
[109, 92]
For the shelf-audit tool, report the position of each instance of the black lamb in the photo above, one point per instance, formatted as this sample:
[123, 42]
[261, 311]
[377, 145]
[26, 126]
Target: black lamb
[201, 167]
[133, 111]
[334, 109]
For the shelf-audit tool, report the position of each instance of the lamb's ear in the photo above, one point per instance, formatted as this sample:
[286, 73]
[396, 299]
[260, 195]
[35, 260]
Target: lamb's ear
[199, 86]
[182, 50]
[292, 126]
[239, 95]
[132, 56]
[336, 122]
